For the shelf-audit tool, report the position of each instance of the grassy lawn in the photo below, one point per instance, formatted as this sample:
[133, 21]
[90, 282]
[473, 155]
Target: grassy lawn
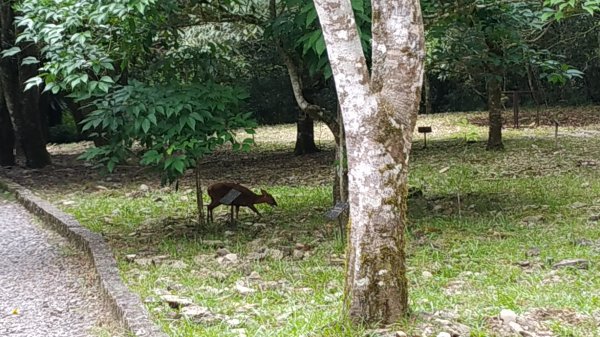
[483, 237]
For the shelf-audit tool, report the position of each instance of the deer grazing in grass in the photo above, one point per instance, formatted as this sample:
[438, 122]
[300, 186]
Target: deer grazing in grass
[245, 197]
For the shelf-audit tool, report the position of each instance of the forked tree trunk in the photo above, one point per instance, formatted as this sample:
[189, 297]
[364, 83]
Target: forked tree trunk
[379, 112]
[495, 114]
[7, 135]
[305, 136]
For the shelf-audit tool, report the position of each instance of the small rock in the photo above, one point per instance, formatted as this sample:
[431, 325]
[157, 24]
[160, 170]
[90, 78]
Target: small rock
[243, 290]
[233, 322]
[68, 202]
[300, 246]
[524, 263]
[516, 327]
[507, 316]
[229, 233]
[444, 170]
[578, 204]
[297, 254]
[230, 258]
[222, 252]
[175, 301]
[259, 226]
[178, 264]
[176, 287]
[150, 299]
[532, 219]
[101, 188]
[576, 263]
[184, 198]
[254, 276]
[444, 334]
[144, 261]
[130, 257]
[195, 312]
[426, 274]
[144, 188]
[400, 334]
[275, 254]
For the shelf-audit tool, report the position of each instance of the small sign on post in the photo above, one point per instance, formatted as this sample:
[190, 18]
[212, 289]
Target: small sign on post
[424, 130]
[230, 197]
[335, 213]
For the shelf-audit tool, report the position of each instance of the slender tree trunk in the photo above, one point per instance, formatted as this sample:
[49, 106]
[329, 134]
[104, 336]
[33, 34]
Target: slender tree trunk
[199, 200]
[494, 96]
[7, 135]
[379, 115]
[305, 140]
[495, 114]
[23, 107]
[340, 186]
[427, 94]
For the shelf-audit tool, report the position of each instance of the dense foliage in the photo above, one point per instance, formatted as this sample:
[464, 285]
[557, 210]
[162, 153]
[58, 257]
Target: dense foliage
[149, 81]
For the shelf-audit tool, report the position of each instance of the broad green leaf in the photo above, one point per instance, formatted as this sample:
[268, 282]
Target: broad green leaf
[29, 60]
[10, 52]
[146, 125]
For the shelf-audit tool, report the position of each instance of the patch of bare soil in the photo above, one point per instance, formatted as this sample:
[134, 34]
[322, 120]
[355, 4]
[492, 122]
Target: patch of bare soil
[272, 167]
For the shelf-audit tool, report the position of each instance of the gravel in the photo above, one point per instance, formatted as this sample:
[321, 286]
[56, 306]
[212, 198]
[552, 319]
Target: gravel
[47, 287]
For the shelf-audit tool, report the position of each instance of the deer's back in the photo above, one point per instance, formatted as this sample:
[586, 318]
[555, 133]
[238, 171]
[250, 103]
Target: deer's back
[219, 190]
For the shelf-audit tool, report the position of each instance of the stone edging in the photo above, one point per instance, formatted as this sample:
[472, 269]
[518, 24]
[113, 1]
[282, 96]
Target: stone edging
[126, 306]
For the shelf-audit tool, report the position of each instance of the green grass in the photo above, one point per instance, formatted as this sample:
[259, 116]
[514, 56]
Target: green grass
[467, 231]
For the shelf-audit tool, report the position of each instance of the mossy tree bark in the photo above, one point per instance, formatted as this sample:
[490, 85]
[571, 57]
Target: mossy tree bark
[379, 114]
[23, 106]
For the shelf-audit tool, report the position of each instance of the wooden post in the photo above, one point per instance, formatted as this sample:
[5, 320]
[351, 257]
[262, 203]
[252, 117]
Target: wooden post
[516, 109]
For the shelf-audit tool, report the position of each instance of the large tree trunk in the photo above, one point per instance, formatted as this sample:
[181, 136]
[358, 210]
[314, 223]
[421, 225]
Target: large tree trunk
[495, 114]
[23, 107]
[305, 140]
[380, 113]
[7, 136]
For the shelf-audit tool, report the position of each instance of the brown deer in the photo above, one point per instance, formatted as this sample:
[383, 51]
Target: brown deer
[245, 198]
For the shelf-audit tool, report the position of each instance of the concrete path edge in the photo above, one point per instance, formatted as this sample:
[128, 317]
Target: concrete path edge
[126, 306]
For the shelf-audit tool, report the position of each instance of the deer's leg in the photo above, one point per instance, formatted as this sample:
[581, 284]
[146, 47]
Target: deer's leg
[209, 208]
[255, 210]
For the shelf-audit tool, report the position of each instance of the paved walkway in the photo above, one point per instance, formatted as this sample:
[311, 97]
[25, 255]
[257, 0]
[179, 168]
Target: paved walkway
[46, 286]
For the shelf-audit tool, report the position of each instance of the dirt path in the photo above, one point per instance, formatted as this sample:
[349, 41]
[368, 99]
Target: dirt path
[46, 286]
